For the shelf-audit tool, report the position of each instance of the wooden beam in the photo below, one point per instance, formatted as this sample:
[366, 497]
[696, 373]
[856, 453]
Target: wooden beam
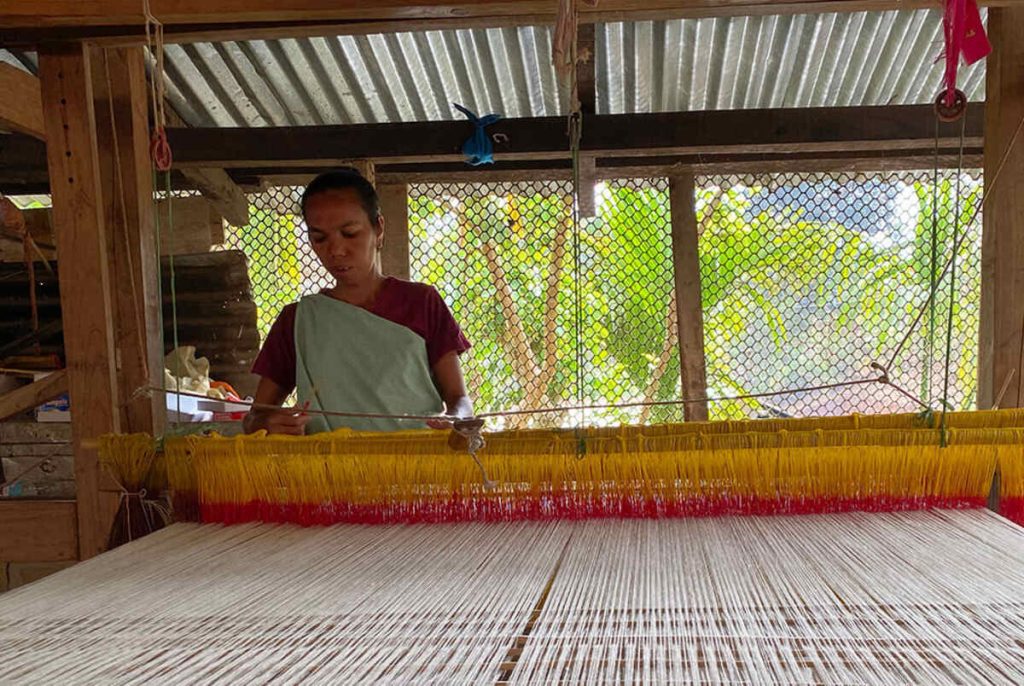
[32, 395]
[650, 167]
[904, 139]
[120, 21]
[65, 75]
[394, 205]
[11, 183]
[811, 130]
[1002, 308]
[21, 107]
[122, 130]
[689, 310]
[38, 530]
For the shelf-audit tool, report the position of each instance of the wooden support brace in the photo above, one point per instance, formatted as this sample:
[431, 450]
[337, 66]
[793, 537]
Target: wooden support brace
[34, 394]
[690, 317]
[222, 192]
[72, 157]
[215, 184]
[21, 105]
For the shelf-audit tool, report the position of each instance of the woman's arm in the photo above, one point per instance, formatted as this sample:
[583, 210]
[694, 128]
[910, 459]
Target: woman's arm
[282, 421]
[452, 387]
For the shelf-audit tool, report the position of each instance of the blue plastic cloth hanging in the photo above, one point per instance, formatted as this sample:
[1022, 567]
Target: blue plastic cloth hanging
[478, 148]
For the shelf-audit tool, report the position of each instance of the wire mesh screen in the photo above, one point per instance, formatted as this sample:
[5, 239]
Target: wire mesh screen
[806, 279]
[282, 264]
[506, 258]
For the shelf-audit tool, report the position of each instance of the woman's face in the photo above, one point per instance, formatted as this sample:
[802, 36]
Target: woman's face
[342, 235]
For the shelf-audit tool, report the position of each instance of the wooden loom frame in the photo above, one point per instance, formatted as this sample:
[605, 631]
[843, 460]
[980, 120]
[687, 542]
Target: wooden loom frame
[68, 106]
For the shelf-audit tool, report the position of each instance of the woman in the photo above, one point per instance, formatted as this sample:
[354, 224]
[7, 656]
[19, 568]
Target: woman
[370, 344]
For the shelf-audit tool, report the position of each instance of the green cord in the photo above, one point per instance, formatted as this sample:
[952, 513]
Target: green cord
[160, 281]
[952, 290]
[575, 133]
[174, 294]
[933, 276]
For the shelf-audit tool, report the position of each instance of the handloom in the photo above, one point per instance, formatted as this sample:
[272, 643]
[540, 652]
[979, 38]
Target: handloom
[813, 551]
[869, 463]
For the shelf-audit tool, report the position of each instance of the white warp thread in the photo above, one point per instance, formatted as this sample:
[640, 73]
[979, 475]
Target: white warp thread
[918, 597]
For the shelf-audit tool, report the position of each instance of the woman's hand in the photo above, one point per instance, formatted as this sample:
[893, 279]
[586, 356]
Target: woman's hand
[448, 375]
[285, 420]
[288, 420]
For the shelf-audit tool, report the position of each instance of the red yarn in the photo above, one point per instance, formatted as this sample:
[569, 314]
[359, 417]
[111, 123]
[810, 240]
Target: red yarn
[160, 149]
[1012, 509]
[565, 505]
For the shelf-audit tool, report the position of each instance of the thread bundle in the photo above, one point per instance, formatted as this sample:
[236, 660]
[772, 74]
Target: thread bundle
[774, 467]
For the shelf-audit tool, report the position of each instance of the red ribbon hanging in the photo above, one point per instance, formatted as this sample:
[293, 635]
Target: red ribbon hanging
[965, 35]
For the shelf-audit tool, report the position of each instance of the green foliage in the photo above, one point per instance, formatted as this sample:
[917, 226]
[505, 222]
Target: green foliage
[787, 302]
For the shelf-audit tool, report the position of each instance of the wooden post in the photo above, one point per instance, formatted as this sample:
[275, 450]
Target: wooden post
[122, 133]
[588, 183]
[64, 72]
[587, 92]
[394, 205]
[586, 80]
[364, 167]
[1002, 307]
[690, 318]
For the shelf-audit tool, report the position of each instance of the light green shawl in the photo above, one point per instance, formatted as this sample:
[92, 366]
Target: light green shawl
[350, 360]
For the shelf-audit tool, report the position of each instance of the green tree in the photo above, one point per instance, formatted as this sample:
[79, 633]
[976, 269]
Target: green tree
[787, 302]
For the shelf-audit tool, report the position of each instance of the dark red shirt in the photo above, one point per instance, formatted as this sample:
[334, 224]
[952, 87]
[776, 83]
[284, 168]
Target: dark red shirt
[416, 306]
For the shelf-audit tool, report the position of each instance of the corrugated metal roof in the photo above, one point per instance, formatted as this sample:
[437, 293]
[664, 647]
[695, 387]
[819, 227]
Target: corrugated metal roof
[360, 79]
[865, 58]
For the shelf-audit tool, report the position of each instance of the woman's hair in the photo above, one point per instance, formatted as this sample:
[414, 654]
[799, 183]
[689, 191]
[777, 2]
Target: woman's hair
[341, 179]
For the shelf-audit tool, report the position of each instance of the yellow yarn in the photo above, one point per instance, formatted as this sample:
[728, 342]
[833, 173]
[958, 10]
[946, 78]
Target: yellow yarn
[129, 458]
[360, 468]
[844, 458]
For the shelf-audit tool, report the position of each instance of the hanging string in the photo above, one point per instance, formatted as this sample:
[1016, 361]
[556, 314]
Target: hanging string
[933, 261]
[159, 148]
[952, 289]
[565, 56]
[958, 242]
[160, 152]
[882, 379]
[174, 285]
[121, 196]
